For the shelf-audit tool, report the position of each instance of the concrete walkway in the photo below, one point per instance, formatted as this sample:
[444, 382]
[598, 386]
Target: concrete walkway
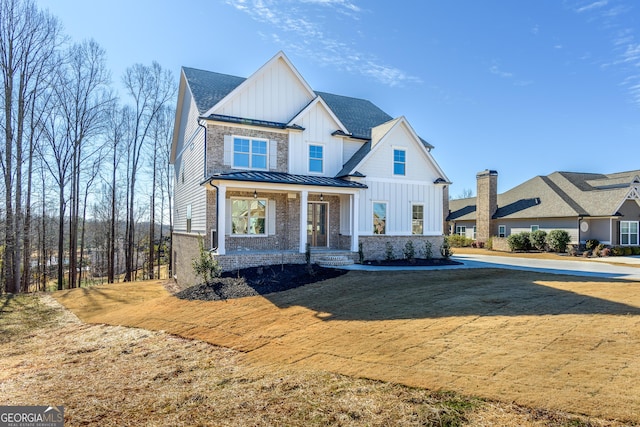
[572, 267]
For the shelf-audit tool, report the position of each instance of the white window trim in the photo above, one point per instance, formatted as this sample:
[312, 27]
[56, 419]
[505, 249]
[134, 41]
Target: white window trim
[386, 217]
[629, 234]
[504, 227]
[324, 151]
[411, 213]
[251, 139]
[266, 217]
[393, 160]
[459, 228]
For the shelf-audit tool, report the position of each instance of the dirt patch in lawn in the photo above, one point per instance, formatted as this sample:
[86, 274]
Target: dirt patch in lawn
[113, 376]
[558, 342]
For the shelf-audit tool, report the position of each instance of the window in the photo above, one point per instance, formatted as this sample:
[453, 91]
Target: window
[474, 232]
[628, 232]
[315, 158]
[249, 153]
[399, 162]
[461, 230]
[248, 216]
[188, 218]
[417, 219]
[502, 231]
[535, 228]
[379, 218]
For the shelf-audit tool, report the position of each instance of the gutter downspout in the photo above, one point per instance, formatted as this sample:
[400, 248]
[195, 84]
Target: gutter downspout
[214, 243]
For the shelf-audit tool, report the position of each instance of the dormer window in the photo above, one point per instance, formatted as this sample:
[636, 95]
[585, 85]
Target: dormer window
[249, 153]
[316, 158]
[399, 161]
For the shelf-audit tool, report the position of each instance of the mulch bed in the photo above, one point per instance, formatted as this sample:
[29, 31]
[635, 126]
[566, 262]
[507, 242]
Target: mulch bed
[417, 262]
[277, 278]
[259, 281]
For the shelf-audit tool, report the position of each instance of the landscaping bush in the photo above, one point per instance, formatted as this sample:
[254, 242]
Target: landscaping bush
[558, 240]
[628, 251]
[489, 244]
[388, 252]
[409, 251]
[477, 244]
[458, 241]
[586, 254]
[538, 239]
[605, 252]
[428, 251]
[617, 251]
[592, 244]
[445, 249]
[635, 250]
[519, 241]
[206, 266]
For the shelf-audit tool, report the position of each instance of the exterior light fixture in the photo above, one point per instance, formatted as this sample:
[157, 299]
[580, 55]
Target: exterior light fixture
[255, 194]
[321, 197]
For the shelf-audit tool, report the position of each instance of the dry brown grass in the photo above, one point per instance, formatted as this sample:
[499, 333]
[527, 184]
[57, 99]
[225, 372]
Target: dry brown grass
[117, 376]
[562, 343]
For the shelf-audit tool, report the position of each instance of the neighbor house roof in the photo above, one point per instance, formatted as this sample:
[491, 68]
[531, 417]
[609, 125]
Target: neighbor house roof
[284, 178]
[357, 115]
[560, 194]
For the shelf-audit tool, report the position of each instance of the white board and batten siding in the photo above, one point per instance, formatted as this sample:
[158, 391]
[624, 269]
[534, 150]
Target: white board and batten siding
[400, 193]
[273, 94]
[318, 125]
[189, 164]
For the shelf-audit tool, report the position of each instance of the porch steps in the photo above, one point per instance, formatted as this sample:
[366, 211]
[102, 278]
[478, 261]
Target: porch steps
[334, 261]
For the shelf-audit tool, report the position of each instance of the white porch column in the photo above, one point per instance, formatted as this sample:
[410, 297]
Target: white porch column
[304, 197]
[355, 224]
[222, 218]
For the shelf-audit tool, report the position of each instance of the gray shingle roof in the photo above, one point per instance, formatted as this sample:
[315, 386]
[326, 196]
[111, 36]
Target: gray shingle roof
[357, 115]
[560, 194]
[284, 178]
[208, 88]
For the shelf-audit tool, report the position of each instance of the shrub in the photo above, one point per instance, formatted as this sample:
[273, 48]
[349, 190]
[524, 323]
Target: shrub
[489, 244]
[458, 241]
[572, 250]
[206, 266]
[360, 253]
[538, 239]
[388, 252]
[617, 251]
[605, 252]
[519, 241]
[307, 253]
[477, 244]
[558, 240]
[628, 251]
[409, 251]
[428, 249]
[586, 254]
[445, 249]
[635, 250]
[592, 244]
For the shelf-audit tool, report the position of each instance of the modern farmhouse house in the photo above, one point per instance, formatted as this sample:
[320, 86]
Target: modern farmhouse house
[605, 207]
[265, 167]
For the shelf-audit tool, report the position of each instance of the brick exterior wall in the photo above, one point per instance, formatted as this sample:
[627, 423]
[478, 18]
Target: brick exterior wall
[375, 247]
[486, 204]
[215, 146]
[500, 244]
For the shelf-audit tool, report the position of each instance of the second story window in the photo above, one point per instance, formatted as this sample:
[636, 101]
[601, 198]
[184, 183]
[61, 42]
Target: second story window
[249, 153]
[316, 158]
[399, 162]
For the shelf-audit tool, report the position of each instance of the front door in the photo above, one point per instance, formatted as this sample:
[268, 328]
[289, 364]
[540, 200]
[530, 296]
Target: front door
[317, 224]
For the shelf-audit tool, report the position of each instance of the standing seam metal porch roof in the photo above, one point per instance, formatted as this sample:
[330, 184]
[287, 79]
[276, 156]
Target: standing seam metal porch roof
[284, 178]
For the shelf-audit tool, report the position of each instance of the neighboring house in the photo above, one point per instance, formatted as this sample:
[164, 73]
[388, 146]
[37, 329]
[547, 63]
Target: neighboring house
[266, 165]
[605, 207]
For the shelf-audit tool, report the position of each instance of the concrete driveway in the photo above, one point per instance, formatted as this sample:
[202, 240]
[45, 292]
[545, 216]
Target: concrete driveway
[598, 267]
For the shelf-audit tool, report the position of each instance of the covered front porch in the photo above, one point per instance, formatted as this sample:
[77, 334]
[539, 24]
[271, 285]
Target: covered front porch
[266, 218]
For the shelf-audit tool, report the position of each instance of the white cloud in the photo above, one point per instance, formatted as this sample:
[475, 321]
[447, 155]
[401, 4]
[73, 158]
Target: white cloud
[292, 28]
[592, 6]
[494, 69]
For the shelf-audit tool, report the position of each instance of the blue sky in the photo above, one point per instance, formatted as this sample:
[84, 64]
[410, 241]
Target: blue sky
[524, 87]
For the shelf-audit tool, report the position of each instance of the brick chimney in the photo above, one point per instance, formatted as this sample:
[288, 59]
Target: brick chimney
[486, 204]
